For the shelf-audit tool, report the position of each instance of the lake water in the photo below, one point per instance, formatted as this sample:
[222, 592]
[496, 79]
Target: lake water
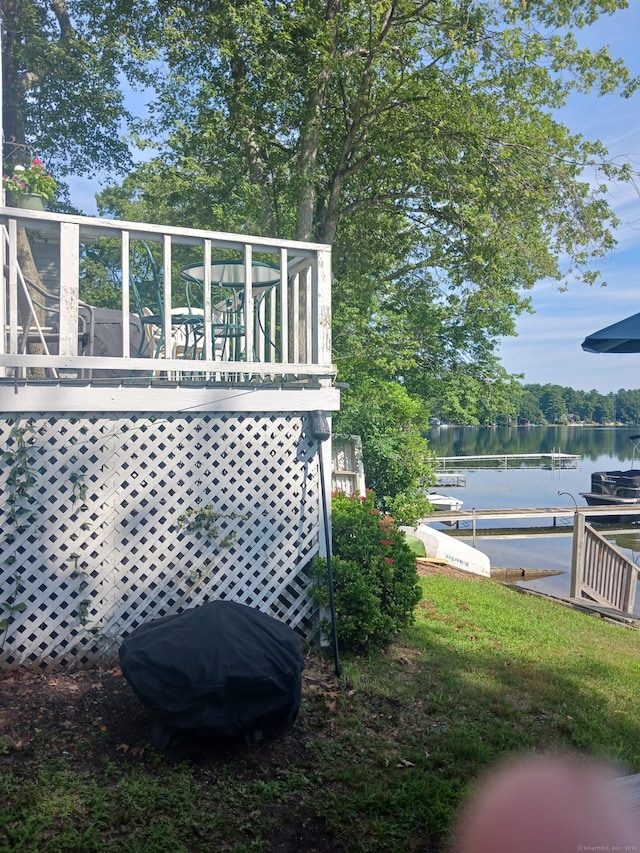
[600, 449]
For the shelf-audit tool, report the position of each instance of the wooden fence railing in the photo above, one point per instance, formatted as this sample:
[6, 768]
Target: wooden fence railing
[599, 571]
[197, 302]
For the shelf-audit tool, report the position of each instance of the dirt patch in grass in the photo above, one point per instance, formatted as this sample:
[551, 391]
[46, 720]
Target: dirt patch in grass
[93, 720]
[428, 568]
[335, 782]
[99, 709]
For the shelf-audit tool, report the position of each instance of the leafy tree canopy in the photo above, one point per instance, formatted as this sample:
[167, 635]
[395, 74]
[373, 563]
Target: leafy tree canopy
[63, 64]
[419, 139]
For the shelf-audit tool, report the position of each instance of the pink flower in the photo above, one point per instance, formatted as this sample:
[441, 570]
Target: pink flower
[30, 179]
[387, 542]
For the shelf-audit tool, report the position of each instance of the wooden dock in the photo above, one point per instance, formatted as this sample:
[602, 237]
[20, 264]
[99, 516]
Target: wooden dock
[603, 579]
[507, 461]
[451, 480]
[549, 514]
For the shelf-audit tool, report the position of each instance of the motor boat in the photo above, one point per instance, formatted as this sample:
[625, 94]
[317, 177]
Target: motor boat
[616, 489]
[619, 489]
[444, 503]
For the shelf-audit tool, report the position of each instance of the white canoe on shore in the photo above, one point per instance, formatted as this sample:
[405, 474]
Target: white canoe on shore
[441, 546]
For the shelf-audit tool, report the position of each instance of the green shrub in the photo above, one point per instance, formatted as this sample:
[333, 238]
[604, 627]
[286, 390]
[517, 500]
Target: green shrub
[374, 573]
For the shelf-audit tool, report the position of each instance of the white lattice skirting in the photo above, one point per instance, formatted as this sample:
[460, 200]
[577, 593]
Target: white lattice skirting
[100, 549]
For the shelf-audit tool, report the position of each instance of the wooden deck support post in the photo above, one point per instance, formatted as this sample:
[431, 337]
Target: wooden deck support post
[577, 555]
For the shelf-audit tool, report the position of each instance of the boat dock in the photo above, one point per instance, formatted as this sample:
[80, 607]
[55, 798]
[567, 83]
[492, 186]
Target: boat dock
[541, 517]
[506, 461]
[475, 515]
[451, 480]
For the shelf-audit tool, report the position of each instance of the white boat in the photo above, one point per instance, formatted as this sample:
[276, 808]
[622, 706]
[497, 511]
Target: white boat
[444, 503]
[439, 545]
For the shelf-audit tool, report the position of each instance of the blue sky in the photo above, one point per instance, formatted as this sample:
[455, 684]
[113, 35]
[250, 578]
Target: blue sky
[547, 348]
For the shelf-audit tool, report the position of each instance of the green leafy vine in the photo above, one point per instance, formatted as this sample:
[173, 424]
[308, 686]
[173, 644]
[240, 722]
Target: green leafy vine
[205, 521]
[20, 513]
[82, 611]
[79, 489]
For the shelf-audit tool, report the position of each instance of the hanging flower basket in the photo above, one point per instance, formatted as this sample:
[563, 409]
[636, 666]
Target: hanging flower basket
[27, 183]
[31, 201]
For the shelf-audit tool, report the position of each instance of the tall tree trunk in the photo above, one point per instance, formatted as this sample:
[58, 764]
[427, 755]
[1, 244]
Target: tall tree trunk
[310, 134]
[255, 159]
[15, 85]
[307, 161]
[352, 158]
[16, 82]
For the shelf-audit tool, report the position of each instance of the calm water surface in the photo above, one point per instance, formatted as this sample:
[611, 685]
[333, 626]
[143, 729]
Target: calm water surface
[600, 449]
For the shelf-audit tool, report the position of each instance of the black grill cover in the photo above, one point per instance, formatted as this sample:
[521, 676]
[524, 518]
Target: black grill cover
[223, 668]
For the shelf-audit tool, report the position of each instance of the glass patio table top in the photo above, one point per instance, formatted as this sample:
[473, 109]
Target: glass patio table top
[231, 274]
[227, 280]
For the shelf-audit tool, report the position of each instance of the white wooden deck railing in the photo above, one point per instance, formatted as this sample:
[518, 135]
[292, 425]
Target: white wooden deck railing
[285, 331]
[599, 571]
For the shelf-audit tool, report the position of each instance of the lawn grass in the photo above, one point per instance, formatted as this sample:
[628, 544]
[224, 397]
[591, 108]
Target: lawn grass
[379, 763]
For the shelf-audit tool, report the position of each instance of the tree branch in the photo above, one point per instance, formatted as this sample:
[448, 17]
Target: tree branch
[59, 9]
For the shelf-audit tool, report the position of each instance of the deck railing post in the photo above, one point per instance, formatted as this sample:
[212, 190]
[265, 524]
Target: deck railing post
[248, 303]
[577, 555]
[69, 277]
[284, 309]
[167, 329]
[321, 347]
[124, 263]
[12, 288]
[4, 251]
[629, 594]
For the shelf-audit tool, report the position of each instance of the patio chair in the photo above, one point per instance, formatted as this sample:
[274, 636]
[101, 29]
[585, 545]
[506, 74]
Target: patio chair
[228, 315]
[148, 302]
[39, 315]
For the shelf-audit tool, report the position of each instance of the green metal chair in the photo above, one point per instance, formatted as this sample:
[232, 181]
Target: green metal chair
[228, 323]
[145, 285]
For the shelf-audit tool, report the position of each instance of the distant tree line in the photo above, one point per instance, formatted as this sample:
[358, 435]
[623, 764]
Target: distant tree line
[555, 404]
[547, 404]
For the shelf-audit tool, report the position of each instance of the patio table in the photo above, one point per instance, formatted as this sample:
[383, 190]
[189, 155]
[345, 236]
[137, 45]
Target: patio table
[228, 314]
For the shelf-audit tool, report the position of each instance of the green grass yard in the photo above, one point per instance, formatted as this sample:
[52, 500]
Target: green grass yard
[379, 762]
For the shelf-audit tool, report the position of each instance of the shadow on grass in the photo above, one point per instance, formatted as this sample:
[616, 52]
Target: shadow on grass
[377, 762]
[484, 673]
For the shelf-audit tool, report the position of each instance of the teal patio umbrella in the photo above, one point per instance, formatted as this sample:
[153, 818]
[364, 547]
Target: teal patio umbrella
[620, 337]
